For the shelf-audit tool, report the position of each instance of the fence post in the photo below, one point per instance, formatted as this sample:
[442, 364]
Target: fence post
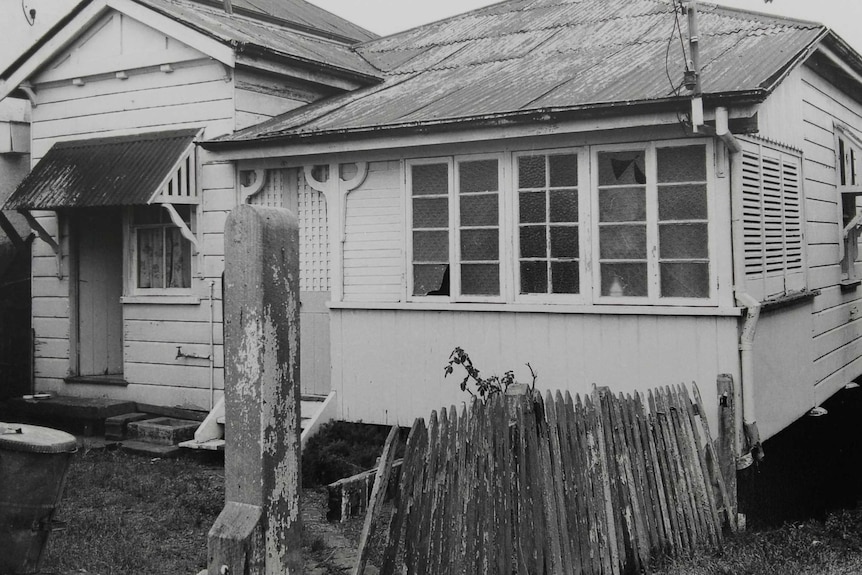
[727, 433]
[258, 531]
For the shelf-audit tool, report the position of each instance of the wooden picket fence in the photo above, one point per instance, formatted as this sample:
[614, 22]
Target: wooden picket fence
[554, 485]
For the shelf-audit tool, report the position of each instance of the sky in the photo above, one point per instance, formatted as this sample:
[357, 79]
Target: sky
[389, 16]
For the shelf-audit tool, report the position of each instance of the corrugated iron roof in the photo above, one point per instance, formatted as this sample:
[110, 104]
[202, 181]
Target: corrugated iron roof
[291, 28]
[246, 31]
[117, 171]
[525, 56]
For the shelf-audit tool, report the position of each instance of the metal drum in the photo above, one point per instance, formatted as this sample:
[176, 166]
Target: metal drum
[33, 465]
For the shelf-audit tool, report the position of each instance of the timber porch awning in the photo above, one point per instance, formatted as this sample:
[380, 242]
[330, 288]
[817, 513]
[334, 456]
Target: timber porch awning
[117, 171]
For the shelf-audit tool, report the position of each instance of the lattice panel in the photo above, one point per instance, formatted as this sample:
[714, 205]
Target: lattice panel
[275, 191]
[314, 254]
[288, 189]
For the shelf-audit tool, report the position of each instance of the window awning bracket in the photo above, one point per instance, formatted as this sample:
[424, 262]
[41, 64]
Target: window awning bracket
[184, 228]
[46, 237]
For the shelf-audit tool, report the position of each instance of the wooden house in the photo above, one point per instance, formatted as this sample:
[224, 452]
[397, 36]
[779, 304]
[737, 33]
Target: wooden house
[549, 182]
[126, 282]
[536, 181]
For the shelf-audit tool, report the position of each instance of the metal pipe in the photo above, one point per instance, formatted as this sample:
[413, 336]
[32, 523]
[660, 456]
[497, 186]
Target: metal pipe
[747, 427]
[212, 345]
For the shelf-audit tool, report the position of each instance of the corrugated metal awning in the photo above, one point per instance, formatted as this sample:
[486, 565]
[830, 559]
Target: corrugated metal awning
[118, 171]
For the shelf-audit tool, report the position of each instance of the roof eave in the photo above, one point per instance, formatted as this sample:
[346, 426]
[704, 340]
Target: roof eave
[543, 115]
[340, 72]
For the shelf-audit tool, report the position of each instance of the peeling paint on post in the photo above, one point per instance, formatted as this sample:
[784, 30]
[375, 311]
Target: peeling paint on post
[258, 532]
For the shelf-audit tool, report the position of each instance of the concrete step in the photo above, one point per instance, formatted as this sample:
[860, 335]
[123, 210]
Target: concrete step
[150, 449]
[162, 430]
[116, 427]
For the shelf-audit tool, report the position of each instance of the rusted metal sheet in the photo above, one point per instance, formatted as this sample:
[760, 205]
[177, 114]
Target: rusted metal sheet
[246, 31]
[116, 171]
[297, 12]
[536, 56]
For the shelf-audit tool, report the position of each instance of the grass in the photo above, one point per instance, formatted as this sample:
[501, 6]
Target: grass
[829, 547]
[133, 515]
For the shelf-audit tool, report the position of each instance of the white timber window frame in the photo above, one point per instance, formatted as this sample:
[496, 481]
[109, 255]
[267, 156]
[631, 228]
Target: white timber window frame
[679, 245]
[655, 259]
[554, 254]
[174, 210]
[848, 175]
[470, 235]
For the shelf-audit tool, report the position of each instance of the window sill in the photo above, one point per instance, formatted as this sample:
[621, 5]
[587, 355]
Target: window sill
[542, 308]
[114, 380]
[161, 299]
[847, 285]
[789, 300]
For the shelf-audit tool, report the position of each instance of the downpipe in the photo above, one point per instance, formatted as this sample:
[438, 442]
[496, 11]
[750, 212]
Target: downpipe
[751, 448]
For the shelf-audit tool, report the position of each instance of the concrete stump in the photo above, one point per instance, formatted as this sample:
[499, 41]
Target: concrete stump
[258, 532]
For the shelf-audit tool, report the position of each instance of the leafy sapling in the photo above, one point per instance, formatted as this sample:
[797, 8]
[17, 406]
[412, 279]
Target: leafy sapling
[486, 387]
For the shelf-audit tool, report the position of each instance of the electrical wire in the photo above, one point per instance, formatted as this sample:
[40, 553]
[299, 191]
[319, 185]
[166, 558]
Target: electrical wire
[30, 16]
[675, 89]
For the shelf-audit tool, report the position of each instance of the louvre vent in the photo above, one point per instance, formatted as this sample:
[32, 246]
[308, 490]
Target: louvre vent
[772, 219]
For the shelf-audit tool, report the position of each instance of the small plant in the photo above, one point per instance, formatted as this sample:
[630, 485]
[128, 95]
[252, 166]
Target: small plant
[486, 387]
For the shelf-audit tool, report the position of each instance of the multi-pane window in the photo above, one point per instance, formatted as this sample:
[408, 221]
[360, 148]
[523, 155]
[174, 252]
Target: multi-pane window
[163, 257]
[455, 227]
[607, 224]
[548, 230]
[653, 222]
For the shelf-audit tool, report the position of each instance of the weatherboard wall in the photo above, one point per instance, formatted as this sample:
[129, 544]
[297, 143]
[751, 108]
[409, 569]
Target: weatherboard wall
[388, 354]
[79, 96]
[837, 331]
[807, 352]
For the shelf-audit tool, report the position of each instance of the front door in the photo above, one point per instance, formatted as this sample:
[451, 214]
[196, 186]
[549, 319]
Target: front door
[98, 234]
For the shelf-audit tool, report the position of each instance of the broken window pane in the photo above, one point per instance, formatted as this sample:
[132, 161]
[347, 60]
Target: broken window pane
[430, 279]
[621, 168]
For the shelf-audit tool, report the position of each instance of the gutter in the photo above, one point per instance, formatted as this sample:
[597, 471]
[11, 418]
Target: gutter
[751, 447]
[492, 120]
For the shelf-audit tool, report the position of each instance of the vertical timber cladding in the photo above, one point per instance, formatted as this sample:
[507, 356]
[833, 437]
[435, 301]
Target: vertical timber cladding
[288, 189]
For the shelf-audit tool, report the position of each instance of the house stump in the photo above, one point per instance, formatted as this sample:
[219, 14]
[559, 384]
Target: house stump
[258, 531]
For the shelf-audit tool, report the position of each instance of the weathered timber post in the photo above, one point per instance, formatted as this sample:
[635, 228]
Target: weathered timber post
[258, 531]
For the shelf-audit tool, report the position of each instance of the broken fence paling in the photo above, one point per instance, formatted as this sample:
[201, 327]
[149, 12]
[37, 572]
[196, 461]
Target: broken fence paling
[530, 485]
